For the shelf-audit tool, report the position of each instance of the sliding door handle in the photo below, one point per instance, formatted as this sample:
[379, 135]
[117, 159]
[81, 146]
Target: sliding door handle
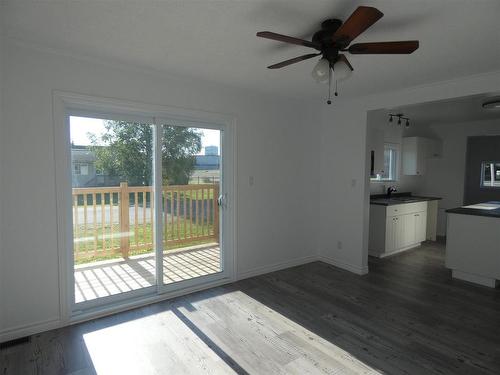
[221, 200]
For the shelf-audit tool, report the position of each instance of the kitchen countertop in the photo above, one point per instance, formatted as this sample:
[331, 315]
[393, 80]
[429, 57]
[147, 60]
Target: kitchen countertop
[477, 211]
[399, 198]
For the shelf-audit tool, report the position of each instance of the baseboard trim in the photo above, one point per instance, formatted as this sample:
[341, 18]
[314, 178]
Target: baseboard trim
[276, 267]
[490, 282]
[343, 265]
[46, 325]
[30, 329]
[402, 250]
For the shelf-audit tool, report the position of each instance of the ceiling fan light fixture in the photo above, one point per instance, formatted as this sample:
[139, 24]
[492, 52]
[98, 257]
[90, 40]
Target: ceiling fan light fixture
[321, 71]
[493, 104]
[341, 71]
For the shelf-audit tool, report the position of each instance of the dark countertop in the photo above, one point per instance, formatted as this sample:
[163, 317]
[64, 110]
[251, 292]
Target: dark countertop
[475, 211]
[399, 198]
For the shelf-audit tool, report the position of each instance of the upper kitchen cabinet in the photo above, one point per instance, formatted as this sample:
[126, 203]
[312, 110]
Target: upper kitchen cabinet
[375, 143]
[416, 151]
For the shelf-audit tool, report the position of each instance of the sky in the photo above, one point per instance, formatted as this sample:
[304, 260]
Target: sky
[80, 126]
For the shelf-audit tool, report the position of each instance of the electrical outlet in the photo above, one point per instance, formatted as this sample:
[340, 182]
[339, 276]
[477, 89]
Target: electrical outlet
[339, 245]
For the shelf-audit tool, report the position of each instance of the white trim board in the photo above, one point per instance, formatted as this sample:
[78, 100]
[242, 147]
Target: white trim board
[276, 267]
[343, 265]
[29, 329]
[39, 327]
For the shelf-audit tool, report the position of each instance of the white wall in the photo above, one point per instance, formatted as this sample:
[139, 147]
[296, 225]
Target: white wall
[344, 186]
[444, 177]
[277, 143]
[2, 54]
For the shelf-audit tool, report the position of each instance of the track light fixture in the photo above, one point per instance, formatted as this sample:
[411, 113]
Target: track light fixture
[400, 117]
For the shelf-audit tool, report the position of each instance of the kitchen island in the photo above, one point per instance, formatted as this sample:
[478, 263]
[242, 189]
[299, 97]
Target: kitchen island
[473, 243]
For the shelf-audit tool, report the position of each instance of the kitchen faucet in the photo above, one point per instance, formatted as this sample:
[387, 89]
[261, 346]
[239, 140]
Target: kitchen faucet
[390, 190]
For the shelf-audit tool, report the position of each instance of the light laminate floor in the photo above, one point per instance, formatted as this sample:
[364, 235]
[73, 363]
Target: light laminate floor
[407, 316]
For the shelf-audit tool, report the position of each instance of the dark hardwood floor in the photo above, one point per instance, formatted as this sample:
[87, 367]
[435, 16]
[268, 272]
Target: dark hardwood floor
[407, 316]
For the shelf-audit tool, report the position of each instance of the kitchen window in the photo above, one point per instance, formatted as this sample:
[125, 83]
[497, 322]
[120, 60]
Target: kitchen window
[391, 162]
[490, 174]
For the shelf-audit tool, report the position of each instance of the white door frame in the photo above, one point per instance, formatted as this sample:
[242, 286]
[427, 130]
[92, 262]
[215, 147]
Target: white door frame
[66, 103]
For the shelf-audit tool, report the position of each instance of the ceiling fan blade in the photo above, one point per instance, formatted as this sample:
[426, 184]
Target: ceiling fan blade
[344, 59]
[360, 20]
[287, 39]
[293, 61]
[403, 47]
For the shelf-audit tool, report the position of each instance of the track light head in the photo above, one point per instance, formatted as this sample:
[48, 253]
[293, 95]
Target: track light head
[399, 121]
[407, 123]
[390, 118]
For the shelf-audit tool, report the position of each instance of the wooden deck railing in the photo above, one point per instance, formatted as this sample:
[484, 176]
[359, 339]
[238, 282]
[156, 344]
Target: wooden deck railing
[113, 221]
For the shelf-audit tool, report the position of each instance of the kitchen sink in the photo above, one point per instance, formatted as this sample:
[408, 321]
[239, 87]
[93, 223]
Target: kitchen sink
[405, 199]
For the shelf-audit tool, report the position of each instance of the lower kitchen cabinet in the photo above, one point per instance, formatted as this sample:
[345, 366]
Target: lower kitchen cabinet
[397, 228]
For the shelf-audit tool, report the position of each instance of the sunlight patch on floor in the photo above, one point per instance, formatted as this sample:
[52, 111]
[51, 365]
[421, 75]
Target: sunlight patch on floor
[197, 336]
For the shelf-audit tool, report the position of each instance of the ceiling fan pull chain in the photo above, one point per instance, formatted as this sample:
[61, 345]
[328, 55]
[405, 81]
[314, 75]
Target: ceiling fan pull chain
[336, 93]
[329, 101]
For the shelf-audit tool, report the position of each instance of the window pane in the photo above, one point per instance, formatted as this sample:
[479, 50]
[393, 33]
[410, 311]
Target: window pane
[191, 161]
[490, 174]
[113, 221]
[387, 164]
[390, 162]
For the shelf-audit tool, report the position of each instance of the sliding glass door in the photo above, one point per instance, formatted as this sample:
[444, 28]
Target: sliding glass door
[147, 206]
[191, 187]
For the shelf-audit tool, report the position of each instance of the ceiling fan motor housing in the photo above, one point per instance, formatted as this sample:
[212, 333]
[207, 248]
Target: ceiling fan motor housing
[325, 35]
[324, 38]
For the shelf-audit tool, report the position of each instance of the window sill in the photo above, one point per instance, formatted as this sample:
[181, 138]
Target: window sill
[380, 181]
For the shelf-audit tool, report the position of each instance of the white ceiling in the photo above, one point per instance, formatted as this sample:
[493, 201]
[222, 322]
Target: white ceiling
[215, 40]
[463, 109]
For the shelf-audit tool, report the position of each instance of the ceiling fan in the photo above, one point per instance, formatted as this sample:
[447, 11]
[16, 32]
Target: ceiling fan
[336, 36]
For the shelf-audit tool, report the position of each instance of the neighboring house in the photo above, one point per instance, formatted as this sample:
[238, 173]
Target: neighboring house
[84, 172]
[83, 166]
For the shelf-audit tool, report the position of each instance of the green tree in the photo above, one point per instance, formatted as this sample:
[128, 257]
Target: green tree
[125, 150]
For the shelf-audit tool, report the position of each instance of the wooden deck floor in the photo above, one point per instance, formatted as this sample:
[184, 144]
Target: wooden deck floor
[407, 316]
[102, 279]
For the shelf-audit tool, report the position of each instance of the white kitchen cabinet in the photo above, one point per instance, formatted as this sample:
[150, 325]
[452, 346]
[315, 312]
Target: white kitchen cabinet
[416, 151]
[396, 228]
[420, 226]
[434, 148]
[375, 144]
[414, 155]
[393, 233]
